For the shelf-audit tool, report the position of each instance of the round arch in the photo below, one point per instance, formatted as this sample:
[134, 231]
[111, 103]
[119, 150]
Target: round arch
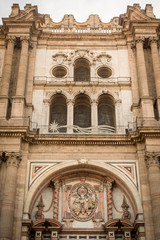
[102, 169]
[81, 70]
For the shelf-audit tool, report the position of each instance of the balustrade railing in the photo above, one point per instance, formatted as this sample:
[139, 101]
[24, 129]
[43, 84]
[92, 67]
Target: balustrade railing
[101, 30]
[101, 129]
[119, 80]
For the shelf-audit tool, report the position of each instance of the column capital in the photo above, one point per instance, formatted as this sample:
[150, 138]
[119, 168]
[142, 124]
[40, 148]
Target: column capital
[57, 185]
[10, 39]
[13, 159]
[152, 159]
[70, 101]
[24, 39]
[139, 39]
[153, 39]
[94, 101]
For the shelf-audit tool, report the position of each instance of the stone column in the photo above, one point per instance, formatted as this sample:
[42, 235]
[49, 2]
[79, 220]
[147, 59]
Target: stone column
[94, 113]
[145, 194]
[56, 200]
[8, 203]
[146, 100]
[30, 78]
[134, 79]
[156, 67]
[18, 100]
[153, 164]
[6, 75]
[109, 201]
[70, 104]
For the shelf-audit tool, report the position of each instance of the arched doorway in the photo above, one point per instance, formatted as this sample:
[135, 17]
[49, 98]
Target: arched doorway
[84, 197]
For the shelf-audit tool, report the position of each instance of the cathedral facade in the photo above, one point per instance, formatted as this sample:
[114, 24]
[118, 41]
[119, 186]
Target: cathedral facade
[79, 126]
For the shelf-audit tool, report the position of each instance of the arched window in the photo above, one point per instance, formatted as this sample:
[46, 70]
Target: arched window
[106, 110]
[58, 111]
[81, 70]
[82, 111]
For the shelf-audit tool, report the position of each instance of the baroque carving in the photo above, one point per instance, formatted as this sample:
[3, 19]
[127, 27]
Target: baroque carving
[82, 201]
[126, 214]
[40, 206]
[152, 159]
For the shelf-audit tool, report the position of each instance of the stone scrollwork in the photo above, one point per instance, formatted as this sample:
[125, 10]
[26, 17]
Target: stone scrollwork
[104, 58]
[68, 58]
[152, 159]
[60, 58]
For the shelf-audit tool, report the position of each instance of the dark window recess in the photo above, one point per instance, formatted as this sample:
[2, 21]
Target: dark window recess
[81, 70]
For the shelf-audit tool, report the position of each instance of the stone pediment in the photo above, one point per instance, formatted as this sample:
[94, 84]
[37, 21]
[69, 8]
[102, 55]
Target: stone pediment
[47, 222]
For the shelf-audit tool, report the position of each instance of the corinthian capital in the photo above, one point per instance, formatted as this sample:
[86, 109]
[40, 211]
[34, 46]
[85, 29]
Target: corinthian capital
[153, 39]
[13, 159]
[152, 159]
[24, 39]
[139, 39]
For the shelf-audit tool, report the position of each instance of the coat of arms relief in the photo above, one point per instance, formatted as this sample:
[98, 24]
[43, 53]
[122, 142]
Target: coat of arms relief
[82, 201]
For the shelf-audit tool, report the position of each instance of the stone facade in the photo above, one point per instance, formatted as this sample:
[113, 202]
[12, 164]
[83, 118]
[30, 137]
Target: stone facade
[79, 126]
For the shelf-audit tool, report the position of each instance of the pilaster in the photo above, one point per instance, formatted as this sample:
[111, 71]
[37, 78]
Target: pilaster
[156, 67]
[6, 75]
[8, 202]
[70, 104]
[146, 100]
[145, 193]
[94, 113]
[18, 100]
[153, 164]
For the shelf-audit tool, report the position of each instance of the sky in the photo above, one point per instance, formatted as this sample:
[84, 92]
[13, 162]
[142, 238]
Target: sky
[81, 9]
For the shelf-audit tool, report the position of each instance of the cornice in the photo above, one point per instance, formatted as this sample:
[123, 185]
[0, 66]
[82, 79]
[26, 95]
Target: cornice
[80, 139]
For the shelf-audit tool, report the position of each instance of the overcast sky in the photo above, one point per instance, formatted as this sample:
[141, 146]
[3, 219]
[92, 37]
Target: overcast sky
[81, 9]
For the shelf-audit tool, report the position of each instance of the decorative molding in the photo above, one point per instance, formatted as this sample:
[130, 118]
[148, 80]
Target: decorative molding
[37, 169]
[129, 169]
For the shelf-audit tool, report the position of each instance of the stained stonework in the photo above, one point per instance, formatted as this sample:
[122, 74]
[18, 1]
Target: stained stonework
[79, 126]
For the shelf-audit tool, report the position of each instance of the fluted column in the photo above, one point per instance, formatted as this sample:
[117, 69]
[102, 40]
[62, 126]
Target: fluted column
[94, 113]
[70, 104]
[6, 75]
[153, 164]
[146, 100]
[134, 79]
[156, 67]
[8, 202]
[145, 194]
[18, 100]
